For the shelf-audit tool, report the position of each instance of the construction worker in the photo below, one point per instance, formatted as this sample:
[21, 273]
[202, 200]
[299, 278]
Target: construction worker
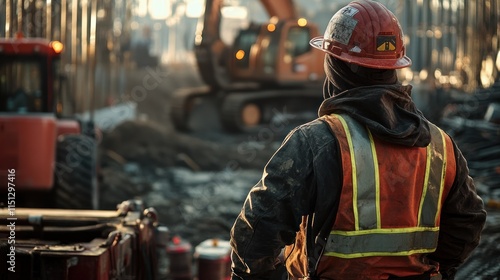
[369, 190]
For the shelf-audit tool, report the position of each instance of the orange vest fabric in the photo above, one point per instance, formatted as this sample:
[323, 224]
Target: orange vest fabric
[388, 217]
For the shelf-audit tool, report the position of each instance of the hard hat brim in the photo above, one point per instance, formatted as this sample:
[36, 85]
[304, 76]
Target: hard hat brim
[318, 43]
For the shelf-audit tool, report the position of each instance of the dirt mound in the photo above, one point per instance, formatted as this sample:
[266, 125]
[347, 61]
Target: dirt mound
[147, 143]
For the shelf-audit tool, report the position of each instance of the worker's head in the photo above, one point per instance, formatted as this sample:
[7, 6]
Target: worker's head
[364, 38]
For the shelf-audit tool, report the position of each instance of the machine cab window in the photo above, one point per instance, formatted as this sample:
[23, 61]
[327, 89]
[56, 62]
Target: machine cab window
[297, 41]
[21, 85]
[243, 44]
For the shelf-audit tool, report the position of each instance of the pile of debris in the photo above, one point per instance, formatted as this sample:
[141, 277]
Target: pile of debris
[197, 186]
[474, 123]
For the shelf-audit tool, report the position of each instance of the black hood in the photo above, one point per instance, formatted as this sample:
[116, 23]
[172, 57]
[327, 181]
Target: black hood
[387, 110]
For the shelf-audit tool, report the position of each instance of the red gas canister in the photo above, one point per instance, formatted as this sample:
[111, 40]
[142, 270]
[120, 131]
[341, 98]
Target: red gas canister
[213, 259]
[180, 259]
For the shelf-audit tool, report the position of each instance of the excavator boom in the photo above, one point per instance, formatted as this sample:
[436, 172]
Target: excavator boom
[282, 9]
[209, 46]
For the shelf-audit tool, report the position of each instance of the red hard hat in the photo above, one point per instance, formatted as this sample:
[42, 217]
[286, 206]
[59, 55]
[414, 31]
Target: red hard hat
[365, 33]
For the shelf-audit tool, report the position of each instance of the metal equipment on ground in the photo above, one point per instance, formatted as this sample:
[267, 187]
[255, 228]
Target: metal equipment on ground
[80, 244]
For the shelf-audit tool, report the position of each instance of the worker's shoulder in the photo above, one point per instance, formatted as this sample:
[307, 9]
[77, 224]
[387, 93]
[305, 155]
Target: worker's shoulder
[316, 132]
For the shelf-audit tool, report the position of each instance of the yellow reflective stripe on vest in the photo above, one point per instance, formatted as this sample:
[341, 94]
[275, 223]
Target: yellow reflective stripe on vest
[365, 177]
[368, 238]
[381, 242]
[435, 172]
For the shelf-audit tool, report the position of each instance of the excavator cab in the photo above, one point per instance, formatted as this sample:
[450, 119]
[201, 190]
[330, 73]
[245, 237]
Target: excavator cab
[277, 53]
[242, 62]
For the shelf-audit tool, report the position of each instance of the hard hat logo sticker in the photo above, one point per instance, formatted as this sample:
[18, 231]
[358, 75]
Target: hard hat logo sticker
[386, 43]
[342, 25]
[341, 30]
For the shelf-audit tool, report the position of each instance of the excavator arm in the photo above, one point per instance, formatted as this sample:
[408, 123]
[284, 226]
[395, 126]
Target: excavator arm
[209, 48]
[212, 53]
[282, 9]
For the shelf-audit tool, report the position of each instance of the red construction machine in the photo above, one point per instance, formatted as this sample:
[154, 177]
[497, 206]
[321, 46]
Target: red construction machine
[48, 160]
[269, 68]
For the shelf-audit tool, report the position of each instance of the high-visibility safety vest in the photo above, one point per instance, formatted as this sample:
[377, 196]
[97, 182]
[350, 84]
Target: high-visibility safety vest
[389, 212]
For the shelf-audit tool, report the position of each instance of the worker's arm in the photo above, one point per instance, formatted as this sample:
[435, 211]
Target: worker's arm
[273, 210]
[462, 220]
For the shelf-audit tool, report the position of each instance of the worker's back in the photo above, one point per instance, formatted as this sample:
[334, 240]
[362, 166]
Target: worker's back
[390, 204]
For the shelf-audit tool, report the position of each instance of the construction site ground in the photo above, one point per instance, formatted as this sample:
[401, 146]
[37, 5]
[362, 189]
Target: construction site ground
[198, 180]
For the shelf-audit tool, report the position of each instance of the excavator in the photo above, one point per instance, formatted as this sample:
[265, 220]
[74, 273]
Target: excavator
[269, 68]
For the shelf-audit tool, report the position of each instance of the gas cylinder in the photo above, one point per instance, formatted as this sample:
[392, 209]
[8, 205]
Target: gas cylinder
[180, 258]
[213, 260]
[162, 241]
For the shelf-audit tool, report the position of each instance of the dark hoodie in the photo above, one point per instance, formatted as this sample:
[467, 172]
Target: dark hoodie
[388, 111]
[303, 181]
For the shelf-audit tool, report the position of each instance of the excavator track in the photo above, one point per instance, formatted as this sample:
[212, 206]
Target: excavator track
[249, 110]
[243, 110]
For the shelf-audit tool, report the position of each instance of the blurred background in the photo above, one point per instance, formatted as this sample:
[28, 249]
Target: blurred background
[453, 43]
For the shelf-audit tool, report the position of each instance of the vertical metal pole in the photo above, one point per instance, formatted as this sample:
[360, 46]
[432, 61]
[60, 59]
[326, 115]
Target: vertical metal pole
[92, 57]
[440, 28]
[479, 28]
[74, 56]
[64, 28]
[496, 11]
[20, 12]
[74, 31]
[8, 18]
[460, 31]
[450, 34]
[67, 101]
[474, 46]
[35, 16]
[91, 81]
[435, 19]
[84, 35]
[84, 54]
[416, 10]
[48, 24]
[424, 44]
